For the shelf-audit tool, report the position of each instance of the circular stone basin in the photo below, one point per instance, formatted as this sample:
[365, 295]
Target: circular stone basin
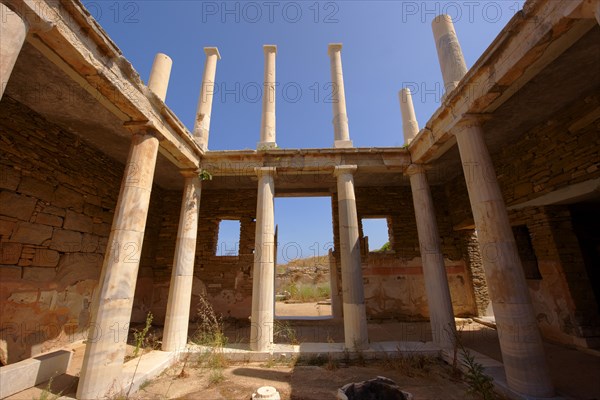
[373, 389]
[266, 393]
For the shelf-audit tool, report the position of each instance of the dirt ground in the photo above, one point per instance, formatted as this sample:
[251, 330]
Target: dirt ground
[307, 382]
[302, 309]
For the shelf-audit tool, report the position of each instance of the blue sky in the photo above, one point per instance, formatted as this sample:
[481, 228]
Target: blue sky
[387, 45]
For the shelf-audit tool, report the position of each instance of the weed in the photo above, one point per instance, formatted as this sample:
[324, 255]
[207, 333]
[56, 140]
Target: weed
[140, 336]
[480, 384]
[284, 332]
[47, 392]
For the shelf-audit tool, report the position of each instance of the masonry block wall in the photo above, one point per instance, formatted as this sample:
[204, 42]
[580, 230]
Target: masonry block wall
[57, 198]
[224, 280]
[394, 284]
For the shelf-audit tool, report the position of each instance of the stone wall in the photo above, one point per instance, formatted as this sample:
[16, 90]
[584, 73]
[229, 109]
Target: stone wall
[57, 198]
[225, 280]
[394, 284]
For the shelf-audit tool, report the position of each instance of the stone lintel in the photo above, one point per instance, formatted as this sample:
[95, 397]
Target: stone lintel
[209, 51]
[189, 173]
[468, 121]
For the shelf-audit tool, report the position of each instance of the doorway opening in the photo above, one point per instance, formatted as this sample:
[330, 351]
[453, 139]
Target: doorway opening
[302, 266]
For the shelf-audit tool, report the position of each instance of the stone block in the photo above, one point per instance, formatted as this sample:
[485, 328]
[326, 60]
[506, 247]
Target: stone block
[78, 222]
[6, 227]
[10, 253]
[77, 267]
[45, 258]
[68, 198]
[101, 229]
[93, 210]
[89, 243]
[9, 178]
[28, 233]
[17, 377]
[49, 219]
[66, 241]
[17, 206]
[9, 273]
[54, 210]
[38, 274]
[36, 188]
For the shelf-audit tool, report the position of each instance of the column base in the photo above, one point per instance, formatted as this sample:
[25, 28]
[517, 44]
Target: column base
[343, 144]
[266, 146]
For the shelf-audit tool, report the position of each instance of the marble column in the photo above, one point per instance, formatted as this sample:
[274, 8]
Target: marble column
[449, 52]
[410, 126]
[159, 76]
[441, 315]
[113, 301]
[597, 11]
[263, 284]
[202, 123]
[180, 292]
[355, 317]
[520, 341]
[13, 31]
[267, 123]
[338, 98]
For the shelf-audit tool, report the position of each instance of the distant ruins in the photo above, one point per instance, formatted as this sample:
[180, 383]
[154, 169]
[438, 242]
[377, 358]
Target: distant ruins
[492, 207]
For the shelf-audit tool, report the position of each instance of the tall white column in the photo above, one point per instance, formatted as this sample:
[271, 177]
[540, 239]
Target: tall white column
[597, 11]
[13, 31]
[263, 284]
[160, 74]
[267, 123]
[112, 304]
[452, 61]
[202, 123]
[410, 126]
[441, 315]
[180, 292]
[111, 307]
[520, 341]
[338, 98]
[353, 297]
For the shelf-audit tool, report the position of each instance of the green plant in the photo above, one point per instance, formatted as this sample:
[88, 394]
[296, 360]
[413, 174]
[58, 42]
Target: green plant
[480, 384]
[284, 332]
[140, 336]
[47, 392]
[204, 175]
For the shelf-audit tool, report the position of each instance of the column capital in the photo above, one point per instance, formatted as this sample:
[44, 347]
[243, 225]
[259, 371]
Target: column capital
[212, 51]
[262, 171]
[345, 169]
[414, 169]
[334, 47]
[189, 173]
[270, 48]
[469, 121]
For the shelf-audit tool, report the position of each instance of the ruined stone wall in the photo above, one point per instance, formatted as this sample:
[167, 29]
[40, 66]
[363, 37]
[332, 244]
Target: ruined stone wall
[225, 280]
[394, 284]
[57, 198]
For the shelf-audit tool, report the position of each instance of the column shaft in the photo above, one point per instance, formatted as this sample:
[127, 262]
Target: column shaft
[355, 317]
[338, 98]
[160, 74]
[202, 123]
[180, 292]
[263, 285]
[449, 52]
[520, 341]
[13, 31]
[267, 123]
[436, 282]
[410, 126]
[111, 307]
